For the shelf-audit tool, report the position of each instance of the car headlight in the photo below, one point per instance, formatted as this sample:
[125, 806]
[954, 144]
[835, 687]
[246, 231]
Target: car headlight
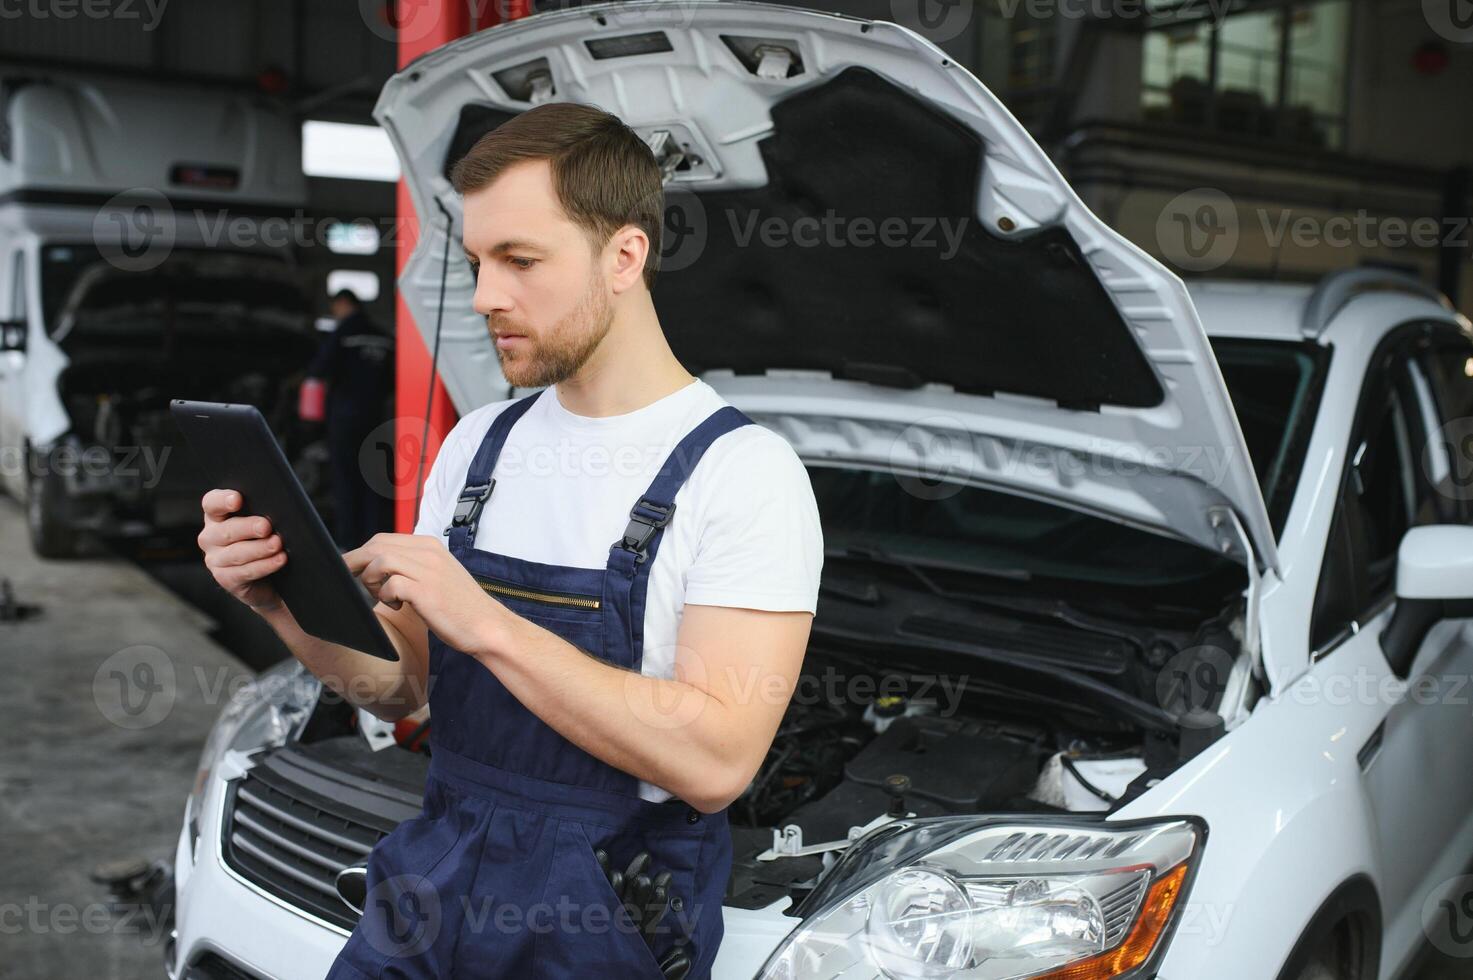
[972, 898]
[260, 714]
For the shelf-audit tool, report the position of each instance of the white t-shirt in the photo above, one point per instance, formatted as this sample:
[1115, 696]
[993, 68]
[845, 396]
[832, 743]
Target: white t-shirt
[745, 530]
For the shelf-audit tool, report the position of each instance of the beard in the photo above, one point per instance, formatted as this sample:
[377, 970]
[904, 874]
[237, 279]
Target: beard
[557, 353]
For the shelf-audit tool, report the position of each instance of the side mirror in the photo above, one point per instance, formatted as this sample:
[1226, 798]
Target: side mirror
[12, 335]
[1434, 581]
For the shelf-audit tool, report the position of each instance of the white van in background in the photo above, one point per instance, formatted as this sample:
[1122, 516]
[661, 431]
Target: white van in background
[146, 253]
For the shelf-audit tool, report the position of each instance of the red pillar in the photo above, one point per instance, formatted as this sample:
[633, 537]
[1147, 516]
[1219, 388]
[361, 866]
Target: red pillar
[423, 26]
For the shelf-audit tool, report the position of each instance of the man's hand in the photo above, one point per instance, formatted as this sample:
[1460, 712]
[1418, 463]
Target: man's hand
[417, 569]
[240, 551]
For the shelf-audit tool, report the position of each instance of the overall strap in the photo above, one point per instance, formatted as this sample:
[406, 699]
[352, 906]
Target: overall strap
[478, 481]
[652, 511]
[626, 584]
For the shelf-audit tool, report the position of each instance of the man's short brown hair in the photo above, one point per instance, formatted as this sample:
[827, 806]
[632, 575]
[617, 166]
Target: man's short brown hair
[604, 175]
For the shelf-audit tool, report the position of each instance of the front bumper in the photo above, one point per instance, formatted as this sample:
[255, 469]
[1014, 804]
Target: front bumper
[219, 915]
[222, 918]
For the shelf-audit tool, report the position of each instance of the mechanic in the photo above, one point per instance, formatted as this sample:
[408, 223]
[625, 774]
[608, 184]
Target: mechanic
[356, 360]
[610, 586]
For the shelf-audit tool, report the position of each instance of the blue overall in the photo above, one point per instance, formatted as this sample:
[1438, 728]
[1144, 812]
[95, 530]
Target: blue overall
[497, 877]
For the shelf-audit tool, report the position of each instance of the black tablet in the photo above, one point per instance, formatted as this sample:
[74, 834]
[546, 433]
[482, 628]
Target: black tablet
[237, 451]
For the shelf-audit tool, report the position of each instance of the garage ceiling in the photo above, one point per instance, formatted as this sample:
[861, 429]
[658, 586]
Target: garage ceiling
[327, 57]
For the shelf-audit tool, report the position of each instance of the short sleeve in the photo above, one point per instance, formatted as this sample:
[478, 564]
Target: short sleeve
[448, 471]
[760, 544]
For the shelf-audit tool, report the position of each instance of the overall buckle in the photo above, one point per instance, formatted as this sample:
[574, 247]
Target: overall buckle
[645, 518]
[468, 507]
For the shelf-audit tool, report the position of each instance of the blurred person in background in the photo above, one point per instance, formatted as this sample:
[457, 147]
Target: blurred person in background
[356, 363]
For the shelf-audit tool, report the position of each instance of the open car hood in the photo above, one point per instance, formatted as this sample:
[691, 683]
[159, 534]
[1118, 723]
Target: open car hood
[847, 208]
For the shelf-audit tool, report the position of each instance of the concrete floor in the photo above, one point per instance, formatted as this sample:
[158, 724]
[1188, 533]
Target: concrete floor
[83, 780]
[94, 772]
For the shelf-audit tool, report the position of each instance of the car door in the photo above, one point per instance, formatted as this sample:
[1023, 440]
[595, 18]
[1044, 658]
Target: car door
[15, 306]
[1398, 477]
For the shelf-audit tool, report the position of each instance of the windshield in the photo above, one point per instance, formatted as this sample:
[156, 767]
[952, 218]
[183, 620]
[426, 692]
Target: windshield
[1275, 388]
[190, 284]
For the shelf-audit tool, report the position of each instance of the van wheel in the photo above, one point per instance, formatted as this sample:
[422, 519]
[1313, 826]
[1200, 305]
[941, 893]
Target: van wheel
[51, 537]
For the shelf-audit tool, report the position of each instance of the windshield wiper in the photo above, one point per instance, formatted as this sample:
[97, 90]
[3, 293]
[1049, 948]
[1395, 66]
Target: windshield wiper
[1053, 608]
[1102, 693]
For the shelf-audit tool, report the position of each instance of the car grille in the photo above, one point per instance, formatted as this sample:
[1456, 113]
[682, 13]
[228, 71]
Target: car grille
[291, 824]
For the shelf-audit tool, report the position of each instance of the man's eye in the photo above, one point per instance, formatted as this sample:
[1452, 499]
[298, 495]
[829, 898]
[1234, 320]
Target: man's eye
[475, 266]
[522, 263]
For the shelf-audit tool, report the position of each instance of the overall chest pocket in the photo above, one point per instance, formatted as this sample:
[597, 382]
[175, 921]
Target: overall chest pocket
[550, 599]
[576, 616]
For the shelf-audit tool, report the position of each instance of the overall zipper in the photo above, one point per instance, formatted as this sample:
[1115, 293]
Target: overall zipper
[552, 598]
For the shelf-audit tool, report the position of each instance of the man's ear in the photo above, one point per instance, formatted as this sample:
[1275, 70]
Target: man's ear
[627, 251]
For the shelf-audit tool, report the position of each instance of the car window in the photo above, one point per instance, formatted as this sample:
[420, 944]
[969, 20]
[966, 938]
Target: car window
[1449, 368]
[1275, 389]
[1384, 492]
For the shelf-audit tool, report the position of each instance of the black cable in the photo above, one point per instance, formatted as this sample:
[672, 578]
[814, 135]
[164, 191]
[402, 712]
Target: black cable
[424, 438]
[1069, 764]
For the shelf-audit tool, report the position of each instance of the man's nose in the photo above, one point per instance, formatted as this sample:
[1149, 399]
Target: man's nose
[491, 294]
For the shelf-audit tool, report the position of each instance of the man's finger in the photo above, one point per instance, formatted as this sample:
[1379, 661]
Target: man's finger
[219, 504]
[392, 592]
[244, 552]
[239, 576]
[359, 557]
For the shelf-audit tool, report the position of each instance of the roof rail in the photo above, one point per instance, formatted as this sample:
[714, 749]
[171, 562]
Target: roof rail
[1335, 290]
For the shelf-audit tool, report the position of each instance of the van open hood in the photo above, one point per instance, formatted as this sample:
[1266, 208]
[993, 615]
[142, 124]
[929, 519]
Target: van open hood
[847, 208]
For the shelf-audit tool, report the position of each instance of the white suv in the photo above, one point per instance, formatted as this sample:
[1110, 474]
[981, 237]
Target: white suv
[1138, 654]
